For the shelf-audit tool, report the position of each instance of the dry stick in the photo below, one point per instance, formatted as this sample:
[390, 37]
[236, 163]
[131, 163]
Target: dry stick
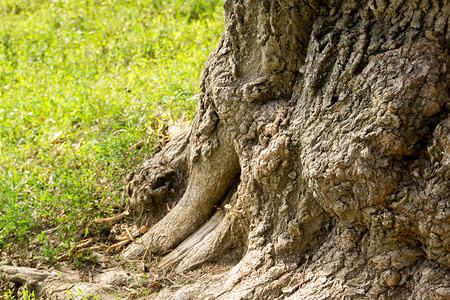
[78, 248]
[113, 219]
[122, 238]
[129, 234]
[128, 238]
[167, 277]
[137, 145]
[82, 244]
[117, 245]
[133, 235]
[145, 254]
[94, 248]
[62, 256]
[304, 268]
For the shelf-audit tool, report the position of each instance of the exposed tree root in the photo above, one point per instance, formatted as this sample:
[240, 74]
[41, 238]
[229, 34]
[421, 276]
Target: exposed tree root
[208, 182]
[63, 285]
[221, 240]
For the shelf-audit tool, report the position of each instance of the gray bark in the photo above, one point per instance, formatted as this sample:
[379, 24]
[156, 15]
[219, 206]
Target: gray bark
[321, 153]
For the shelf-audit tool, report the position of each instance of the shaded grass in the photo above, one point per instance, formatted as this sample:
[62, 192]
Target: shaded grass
[80, 83]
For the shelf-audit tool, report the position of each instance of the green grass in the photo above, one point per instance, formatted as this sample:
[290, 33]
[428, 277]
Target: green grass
[81, 81]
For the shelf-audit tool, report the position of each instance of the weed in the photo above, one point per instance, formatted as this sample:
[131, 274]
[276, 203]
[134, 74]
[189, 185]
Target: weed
[48, 251]
[81, 294]
[26, 294]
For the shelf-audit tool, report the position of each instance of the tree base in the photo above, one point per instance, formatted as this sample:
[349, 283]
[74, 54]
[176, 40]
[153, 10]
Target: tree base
[332, 118]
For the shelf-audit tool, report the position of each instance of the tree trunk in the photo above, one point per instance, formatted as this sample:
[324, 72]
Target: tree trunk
[318, 165]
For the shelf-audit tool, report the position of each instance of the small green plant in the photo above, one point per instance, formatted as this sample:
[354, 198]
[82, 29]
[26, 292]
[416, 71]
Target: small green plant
[8, 295]
[81, 294]
[26, 295]
[48, 251]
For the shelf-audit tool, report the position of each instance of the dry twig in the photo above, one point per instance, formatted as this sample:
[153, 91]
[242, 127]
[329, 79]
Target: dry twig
[137, 145]
[128, 237]
[117, 245]
[114, 218]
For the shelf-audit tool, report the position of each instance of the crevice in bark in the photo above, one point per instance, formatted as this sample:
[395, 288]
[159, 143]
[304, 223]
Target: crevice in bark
[333, 101]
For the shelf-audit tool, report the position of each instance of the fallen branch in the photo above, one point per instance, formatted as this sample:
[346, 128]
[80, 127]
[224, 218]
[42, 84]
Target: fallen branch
[304, 269]
[128, 237]
[135, 234]
[94, 248]
[83, 244]
[114, 218]
[117, 245]
[137, 145]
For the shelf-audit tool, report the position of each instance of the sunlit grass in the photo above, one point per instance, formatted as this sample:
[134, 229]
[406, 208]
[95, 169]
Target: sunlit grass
[80, 83]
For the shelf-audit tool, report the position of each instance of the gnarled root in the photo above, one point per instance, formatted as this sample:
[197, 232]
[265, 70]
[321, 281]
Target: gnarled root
[209, 180]
[161, 181]
[222, 239]
[62, 285]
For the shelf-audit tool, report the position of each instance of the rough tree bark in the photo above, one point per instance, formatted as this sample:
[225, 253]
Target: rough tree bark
[318, 165]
